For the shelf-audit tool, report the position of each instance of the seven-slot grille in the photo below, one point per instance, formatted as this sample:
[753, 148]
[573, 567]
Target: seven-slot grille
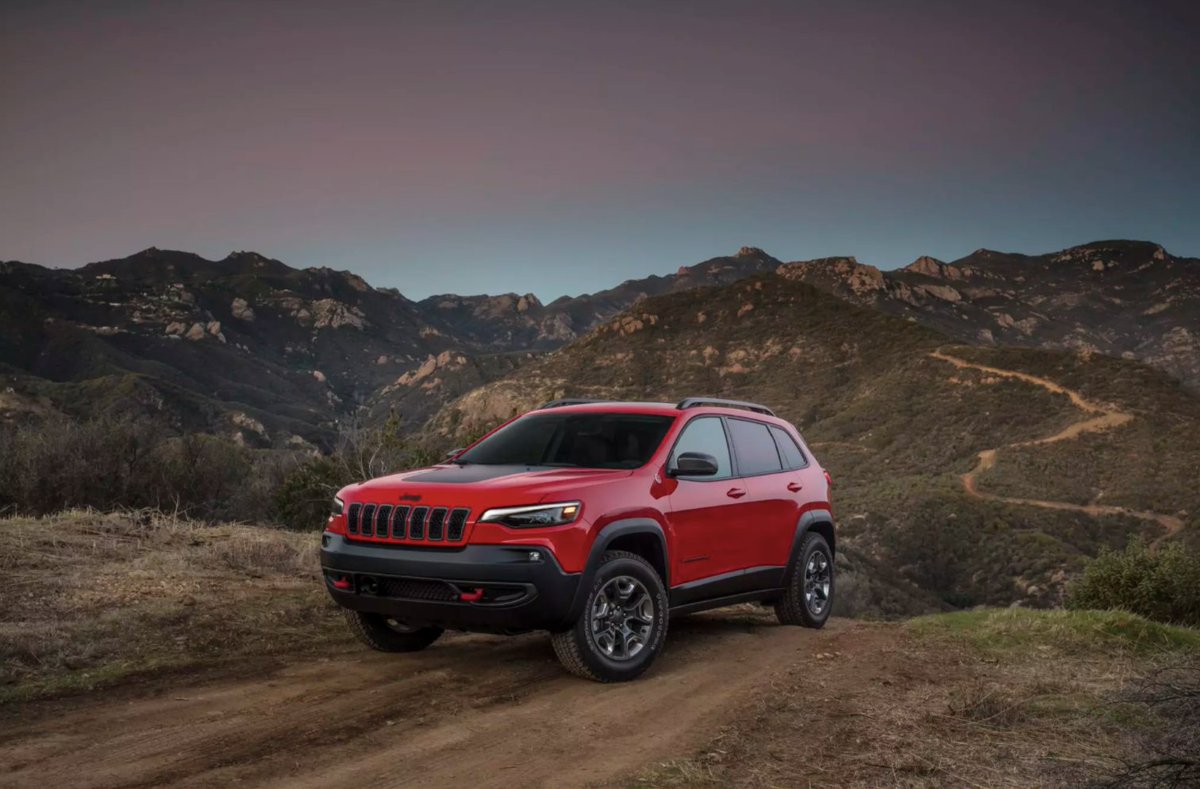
[401, 523]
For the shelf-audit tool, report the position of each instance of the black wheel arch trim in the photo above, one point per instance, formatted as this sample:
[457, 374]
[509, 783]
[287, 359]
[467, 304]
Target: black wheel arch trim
[805, 524]
[610, 532]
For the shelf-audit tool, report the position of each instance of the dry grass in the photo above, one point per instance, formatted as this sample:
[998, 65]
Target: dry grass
[91, 598]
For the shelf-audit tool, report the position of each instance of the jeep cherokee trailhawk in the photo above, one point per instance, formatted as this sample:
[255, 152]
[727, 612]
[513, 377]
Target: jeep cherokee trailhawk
[595, 521]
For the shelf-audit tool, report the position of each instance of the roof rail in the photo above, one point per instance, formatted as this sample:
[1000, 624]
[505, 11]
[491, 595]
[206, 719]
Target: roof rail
[570, 401]
[692, 402]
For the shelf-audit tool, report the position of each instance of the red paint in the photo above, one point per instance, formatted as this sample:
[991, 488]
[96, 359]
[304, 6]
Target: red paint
[711, 527]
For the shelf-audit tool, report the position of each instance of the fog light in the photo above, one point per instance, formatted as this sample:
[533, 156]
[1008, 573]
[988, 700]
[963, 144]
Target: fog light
[535, 556]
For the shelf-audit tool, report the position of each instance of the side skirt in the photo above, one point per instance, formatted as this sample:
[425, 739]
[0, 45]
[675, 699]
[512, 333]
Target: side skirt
[753, 583]
[720, 602]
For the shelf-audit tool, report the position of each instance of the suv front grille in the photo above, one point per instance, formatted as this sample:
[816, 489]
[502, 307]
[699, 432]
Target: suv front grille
[401, 523]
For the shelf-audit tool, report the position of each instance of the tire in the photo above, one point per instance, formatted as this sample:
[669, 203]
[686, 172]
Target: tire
[808, 596]
[389, 635]
[596, 647]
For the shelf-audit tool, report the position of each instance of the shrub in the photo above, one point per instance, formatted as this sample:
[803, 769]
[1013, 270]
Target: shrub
[303, 498]
[1163, 584]
[109, 464]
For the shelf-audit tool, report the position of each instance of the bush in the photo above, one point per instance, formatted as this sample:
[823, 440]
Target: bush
[108, 464]
[303, 498]
[1163, 584]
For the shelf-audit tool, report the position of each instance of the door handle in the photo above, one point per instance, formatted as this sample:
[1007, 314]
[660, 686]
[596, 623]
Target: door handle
[735, 493]
[795, 487]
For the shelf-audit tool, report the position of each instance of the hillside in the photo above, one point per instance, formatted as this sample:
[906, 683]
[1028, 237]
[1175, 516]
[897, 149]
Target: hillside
[271, 355]
[902, 427]
[1129, 299]
[180, 653]
[274, 356]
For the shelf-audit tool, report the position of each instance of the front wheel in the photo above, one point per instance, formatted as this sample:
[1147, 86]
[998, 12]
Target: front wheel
[808, 597]
[623, 624]
[386, 634]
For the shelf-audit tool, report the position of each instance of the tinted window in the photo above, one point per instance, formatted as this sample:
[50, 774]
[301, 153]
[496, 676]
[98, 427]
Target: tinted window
[792, 456]
[756, 453]
[572, 440]
[706, 435]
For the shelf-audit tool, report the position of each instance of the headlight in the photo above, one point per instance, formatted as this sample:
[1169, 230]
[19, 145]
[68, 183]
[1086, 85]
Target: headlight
[533, 516]
[339, 506]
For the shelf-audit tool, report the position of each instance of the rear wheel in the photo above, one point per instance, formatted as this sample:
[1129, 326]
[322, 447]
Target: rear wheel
[623, 624]
[808, 597]
[388, 634]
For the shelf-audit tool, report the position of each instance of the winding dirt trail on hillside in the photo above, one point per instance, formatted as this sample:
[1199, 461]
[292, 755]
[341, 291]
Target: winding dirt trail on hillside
[1103, 417]
[472, 710]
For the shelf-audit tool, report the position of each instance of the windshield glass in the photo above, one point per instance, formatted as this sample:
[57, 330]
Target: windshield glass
[616, 441]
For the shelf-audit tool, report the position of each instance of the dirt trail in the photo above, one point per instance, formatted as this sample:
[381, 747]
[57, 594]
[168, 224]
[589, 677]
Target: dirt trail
[1106, 417]
[471, 710]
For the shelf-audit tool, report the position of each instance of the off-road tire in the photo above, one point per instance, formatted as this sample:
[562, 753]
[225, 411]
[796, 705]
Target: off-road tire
[792, 608]
[374, 631]
[577, 648]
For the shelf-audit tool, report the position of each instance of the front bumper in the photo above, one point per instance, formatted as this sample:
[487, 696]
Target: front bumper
[486, 588]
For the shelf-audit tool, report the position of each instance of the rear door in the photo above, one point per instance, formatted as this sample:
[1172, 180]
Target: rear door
[706, 511]
[771, 511]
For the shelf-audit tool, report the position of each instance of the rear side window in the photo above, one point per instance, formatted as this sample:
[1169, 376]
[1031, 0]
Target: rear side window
[792, 456]
[754, 448]
[708, 436]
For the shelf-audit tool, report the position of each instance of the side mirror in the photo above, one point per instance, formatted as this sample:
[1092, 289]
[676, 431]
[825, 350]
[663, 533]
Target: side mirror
[454, 453]
[693, 464]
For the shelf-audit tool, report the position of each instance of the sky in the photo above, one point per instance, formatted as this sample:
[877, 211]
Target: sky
[563, 147]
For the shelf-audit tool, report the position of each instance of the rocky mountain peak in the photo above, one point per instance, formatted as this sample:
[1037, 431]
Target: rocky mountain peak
[929, 266]
[751, 252]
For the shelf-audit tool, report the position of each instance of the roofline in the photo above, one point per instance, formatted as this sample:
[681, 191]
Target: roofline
[688, 403]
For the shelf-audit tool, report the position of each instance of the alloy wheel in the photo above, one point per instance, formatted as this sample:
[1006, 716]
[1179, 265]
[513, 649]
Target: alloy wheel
[622, 617]
[818, 576]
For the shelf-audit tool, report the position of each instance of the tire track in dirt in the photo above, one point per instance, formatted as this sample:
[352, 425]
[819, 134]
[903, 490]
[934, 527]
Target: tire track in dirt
[471, 710]
[1106, 417]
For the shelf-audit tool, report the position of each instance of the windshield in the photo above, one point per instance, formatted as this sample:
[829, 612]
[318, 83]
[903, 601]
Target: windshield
[616, 441]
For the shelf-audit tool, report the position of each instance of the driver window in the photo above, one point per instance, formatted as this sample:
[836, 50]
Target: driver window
[706, 435]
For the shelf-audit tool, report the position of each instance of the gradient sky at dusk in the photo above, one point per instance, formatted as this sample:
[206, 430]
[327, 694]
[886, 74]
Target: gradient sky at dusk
[561, 147]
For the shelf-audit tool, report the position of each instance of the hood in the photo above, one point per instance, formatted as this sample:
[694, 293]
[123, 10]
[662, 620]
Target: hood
[477, 486]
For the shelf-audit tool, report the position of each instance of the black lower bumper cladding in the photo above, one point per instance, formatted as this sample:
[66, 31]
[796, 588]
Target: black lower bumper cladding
[485, 588]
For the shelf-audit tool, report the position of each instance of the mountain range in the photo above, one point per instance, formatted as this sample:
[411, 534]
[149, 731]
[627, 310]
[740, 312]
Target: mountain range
[280, 356]
[989, 422]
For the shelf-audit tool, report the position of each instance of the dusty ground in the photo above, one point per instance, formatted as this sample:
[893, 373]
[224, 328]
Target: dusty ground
[479, 710]
[735, 700]
[117, 671]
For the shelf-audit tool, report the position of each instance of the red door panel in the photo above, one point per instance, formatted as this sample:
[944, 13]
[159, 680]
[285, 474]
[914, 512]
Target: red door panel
[708, 519]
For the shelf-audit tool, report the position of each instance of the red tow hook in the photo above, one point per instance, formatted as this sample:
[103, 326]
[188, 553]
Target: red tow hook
[472, 597]
[342, 583]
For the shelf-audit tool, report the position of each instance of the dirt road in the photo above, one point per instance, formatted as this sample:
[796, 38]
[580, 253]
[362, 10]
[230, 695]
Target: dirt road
[470, 711]
[1105, 417]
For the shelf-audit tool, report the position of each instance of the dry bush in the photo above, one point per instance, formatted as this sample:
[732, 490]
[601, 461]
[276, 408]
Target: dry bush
[1170, 751]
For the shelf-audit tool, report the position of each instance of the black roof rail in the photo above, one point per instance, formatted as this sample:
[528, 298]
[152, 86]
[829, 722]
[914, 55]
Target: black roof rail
[692, 402]
[570, 401]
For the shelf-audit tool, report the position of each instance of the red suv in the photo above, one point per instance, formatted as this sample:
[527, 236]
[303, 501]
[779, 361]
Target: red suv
[595, 521]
